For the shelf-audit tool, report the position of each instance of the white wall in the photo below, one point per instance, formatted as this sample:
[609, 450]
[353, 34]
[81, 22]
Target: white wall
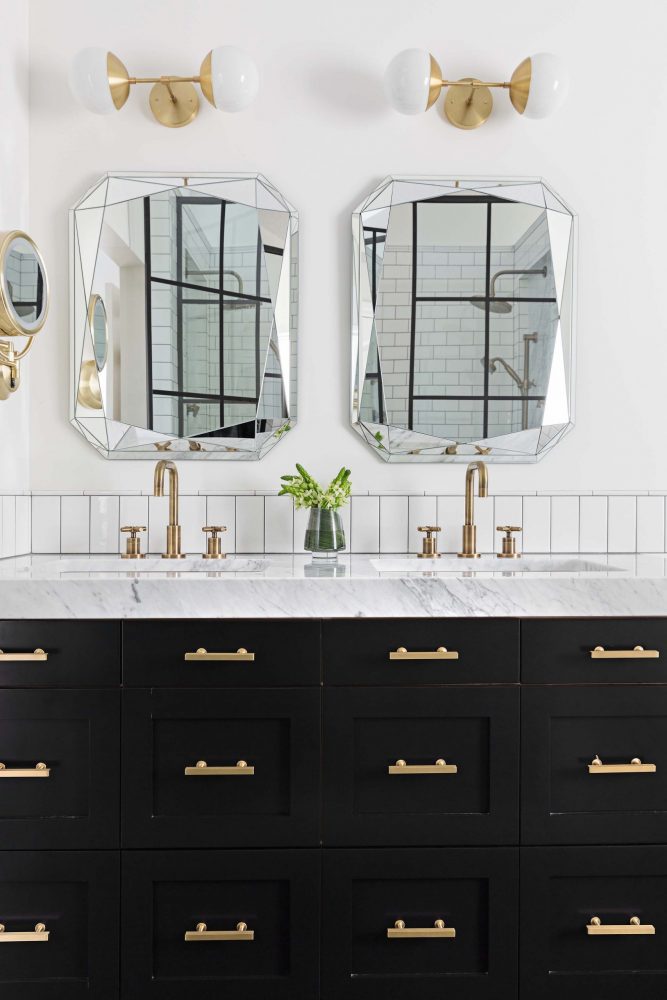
[14, 412]
[322, 132]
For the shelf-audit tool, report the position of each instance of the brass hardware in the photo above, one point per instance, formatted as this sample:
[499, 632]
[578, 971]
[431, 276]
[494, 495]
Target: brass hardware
[441, 653]
[89, 393]
[213, 549]
[40, 933]
[39, 656]
[440, 767]
[635, 926]
[399, 930]
[634, 767]
[203, 770]
[40, 770]
[638, 653]
[202, 933]
[469, 106]
[174, 102]
[203, 655]
[429, 543]
[469, 548]
[173, 528]
[12, 322]
[133, 544]
[509, 543]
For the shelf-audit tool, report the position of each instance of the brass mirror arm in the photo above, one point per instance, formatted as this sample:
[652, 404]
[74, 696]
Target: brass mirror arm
[9, 356]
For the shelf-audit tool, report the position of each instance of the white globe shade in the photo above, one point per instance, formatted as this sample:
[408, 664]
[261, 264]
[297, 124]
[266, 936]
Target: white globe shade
[229, 78]
[89, 81]
[549, 84]
[411, 81]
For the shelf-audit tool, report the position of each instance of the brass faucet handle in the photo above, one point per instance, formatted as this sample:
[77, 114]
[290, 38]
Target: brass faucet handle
[430, 543]
[213, 548]
[509, 542]
[133, 545]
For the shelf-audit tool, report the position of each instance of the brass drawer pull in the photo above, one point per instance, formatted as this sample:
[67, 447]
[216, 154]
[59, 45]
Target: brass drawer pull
[39, 656]
[634, 767]
[204, 655]
[203, 934]
[441, 653]
[638, 653]
[38, 771]
[597, 928]
[440, 767]
[203, 770]
[399, 930]
[40, 933]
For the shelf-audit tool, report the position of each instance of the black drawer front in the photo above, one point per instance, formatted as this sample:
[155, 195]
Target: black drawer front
[562, 890]
[559, 650]
[166, 894]
[273, 802]
[79, 654]
[357, 652]
[74, 800]
[286, 653]
[75, 895]
[366, 892]
[367, 731]
[566, 798]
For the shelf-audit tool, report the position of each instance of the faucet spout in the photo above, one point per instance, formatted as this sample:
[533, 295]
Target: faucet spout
[173, 527]
[469, 547]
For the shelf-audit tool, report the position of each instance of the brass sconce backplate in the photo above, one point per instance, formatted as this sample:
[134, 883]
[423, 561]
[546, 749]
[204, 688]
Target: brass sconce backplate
[468, 107]
[175, 103]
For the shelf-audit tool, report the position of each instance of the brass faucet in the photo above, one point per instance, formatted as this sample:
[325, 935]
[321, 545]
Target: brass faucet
[173, 528]
[469, 528]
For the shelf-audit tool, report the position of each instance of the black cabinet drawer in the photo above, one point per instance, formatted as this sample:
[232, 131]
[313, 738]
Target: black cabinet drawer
[283, 653]
[72, 801]
[75, 896]
[476, 651]
[78, 654]
[563, 889]
[370, 799]
[559, 650]
[271, 801]
[567, 797]
[167, 894]
[366, 893]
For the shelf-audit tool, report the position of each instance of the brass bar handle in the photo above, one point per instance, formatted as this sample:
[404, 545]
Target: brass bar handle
[634, 767]
[440, 767]
[399, 930]
[204, 770]
[202, 933]
[203, 655]
[40, 770]
[597, 929]
[441, 653]
[638, 653]
[40, 933]
[39, 656]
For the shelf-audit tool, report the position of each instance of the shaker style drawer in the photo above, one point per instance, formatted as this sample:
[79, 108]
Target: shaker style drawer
[59, 769]
[201, 925]
[594, 651]
[221, 653]
[421, 651]
[594, 765]
[420, 766]
[260, 785]
[593, 922]
[424, 924]
[49, 654]
[59, 910]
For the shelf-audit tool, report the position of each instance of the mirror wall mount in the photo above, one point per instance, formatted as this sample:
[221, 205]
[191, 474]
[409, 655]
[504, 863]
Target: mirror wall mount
[184, 308]
[462, 320]
[24, 303]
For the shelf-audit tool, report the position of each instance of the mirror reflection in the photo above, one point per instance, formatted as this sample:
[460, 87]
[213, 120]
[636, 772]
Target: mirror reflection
[97, 319]
[23, 280]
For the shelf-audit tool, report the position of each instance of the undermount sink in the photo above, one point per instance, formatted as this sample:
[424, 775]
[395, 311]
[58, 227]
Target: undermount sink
[488, 563]
[114, 565]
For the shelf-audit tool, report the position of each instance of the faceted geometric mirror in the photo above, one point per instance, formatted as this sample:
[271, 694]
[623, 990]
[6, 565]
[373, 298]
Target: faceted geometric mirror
[184, 300]
[462, 320]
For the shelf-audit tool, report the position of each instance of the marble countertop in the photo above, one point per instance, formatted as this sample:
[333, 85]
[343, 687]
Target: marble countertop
[286, 586]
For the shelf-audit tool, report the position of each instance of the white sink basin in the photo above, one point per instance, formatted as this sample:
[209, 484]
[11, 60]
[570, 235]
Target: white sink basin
[485, 564]
[114, 565]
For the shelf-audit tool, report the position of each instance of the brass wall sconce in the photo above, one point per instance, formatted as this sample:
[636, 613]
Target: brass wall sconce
[24, 303]
[413, 82]
[228, 79]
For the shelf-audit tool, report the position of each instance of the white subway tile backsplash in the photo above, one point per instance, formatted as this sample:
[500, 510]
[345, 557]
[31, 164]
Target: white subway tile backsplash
[564, 524]
[650, 524]
[450, 519]
[421, 510]
[221, 510]
[192, 516]
[250, 524]
[23, 514]
[365, 521]
[622, 527]
[8, 528]
[46, 524]
[393, 523]
[593, 524]
[75, 524]
[536, 535]
[104, 523]
[486, 525]
[158, 519]
[278, 524]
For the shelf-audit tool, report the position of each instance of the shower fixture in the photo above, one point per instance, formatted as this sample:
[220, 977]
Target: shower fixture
[502, 307]
[525, 383]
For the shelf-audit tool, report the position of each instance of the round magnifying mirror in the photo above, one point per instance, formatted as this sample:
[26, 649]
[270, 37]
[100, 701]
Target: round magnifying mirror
[99, 328]
[24, 289]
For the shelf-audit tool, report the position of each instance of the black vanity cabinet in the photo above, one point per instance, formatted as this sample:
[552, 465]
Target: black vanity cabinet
[306, 810]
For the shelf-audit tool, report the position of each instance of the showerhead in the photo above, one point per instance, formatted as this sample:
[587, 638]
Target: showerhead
[491, 366]
[499, 306]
